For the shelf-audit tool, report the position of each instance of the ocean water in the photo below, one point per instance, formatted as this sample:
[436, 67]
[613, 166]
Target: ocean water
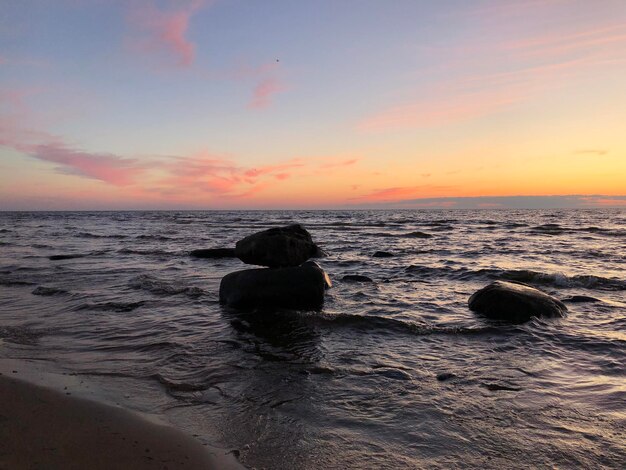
[397, 373]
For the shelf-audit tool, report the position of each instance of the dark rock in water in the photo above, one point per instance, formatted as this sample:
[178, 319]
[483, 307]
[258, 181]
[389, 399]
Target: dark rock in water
[418, 235]
[277, 247]
[42, 290]
[515, 302]
[61, 257]
[494, 387]
[395, 374]
[319, 253]
[382, 254]
[445, 376]
[356, 278]
[293, 287]
[213, 253]
[581, 299]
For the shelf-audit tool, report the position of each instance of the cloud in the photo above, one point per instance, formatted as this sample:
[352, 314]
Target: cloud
[482, 75]
[439, 111]
[108, 168]
[264, 91]
[164, 33]
[221, 177]
[597, 152]
[504, 202]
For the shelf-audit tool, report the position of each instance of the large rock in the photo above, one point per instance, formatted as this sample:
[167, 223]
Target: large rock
[277, 247]
[293, 287]
[515, 302]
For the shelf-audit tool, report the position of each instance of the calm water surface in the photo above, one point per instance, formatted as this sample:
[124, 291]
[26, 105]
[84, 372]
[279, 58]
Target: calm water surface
[392, 374]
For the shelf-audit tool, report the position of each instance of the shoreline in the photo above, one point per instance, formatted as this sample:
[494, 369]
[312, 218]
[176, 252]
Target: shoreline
[42, 427]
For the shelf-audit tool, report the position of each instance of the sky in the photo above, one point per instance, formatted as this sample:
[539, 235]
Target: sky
[240, 104]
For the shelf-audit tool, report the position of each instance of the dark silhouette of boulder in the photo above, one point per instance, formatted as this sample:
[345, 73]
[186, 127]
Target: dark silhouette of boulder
[515, 302]
[356, 278]
[213, 253]
[62, 257]
[581, 299]
[300, 287]
[277, 247]
[382, 254]
[418, 235]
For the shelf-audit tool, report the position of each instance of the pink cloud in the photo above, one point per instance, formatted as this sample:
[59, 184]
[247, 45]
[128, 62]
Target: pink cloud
[264, 91]
[253, 173]
[110, 169]
[165, 32]
[221, 177]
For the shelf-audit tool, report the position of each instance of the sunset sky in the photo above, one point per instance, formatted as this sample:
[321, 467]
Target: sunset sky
[225, 104]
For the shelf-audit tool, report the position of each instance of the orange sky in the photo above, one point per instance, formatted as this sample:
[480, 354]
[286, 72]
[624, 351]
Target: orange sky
[192, 104]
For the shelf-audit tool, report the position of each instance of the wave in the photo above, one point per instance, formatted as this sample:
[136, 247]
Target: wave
[162, 287]
[155, 252]
[556, 279]
[520, 275]
[8, 282]
[96, 235]
[153, 237]
[65, 256]
[393, 325]
[556, 229]
[20, 335]
[112, 306]
[173, 386]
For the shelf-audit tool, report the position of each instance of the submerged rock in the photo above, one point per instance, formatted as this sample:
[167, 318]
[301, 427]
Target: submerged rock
[445, 376]
[213, 253]
[62, 257]
[515, 302]
[581, 299]
[418, 235]
[293, 287]
[382, 254]
[47, 291]
[277, 247]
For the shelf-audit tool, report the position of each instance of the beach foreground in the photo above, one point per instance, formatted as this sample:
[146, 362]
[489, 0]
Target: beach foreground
[42, 428]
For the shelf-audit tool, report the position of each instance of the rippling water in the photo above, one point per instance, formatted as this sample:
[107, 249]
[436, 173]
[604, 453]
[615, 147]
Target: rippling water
[397, 373]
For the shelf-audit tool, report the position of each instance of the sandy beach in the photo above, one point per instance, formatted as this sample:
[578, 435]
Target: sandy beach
[46, 429]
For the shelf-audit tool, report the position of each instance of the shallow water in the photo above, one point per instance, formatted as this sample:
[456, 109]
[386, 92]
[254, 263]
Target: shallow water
[392, 374]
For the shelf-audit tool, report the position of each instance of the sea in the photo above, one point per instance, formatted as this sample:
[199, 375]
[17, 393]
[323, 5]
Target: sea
[389, 374]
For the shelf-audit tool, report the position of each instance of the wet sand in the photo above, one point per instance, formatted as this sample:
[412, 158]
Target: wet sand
[45, 429]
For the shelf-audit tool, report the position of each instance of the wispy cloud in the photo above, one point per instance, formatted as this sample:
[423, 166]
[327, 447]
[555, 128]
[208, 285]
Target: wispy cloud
[502, 202]
[188, 178]
[164, 32]
[486, 78]
[111, 169]
[264, 91]
[593, 152]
